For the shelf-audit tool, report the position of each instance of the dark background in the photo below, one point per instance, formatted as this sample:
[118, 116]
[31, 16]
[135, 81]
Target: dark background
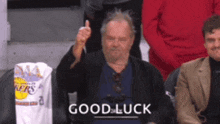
[19, 4]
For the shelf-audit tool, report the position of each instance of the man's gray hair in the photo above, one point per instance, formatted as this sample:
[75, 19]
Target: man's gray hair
[118, 15]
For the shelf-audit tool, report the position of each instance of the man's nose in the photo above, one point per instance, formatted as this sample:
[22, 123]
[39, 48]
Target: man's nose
[116, 42]
[217, 43]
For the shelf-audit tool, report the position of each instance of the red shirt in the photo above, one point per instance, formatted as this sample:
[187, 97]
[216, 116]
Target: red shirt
[173, 29]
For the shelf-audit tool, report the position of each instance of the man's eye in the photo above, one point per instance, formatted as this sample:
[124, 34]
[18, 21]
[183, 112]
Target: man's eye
[210, 40]
[122, 39]
[111, 38]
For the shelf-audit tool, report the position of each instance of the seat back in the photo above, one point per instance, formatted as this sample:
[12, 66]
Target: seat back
[170, 84]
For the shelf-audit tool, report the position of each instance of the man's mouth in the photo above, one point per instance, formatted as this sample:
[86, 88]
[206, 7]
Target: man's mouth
[114, 50]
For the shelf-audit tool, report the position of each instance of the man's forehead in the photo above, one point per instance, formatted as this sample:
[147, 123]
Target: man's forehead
[117, 25]
[118, 22]
[214, 31]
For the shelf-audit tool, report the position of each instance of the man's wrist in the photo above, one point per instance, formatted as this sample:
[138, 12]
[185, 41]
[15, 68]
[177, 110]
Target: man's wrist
[77, 50]
[151, 123]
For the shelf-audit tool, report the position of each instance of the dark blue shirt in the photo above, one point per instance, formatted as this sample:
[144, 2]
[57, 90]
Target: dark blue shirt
[106, 88]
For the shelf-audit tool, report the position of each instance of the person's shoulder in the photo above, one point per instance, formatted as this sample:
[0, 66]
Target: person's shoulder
[94, 57]
[193, 66]
[93, 54]
[194, 63]
[144, 64]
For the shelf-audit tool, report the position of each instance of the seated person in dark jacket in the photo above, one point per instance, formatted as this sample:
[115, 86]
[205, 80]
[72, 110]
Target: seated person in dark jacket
[131, 89]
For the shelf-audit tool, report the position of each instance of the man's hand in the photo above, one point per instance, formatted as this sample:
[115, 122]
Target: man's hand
[81, 39]
[151, 123]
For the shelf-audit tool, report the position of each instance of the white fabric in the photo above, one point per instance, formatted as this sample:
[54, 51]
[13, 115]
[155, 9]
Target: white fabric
[33, 93]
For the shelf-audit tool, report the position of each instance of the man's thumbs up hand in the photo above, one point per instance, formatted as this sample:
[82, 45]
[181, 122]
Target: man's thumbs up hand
[81, 39]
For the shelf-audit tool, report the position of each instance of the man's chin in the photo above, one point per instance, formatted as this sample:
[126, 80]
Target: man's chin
[115, 54]
[217, 58]
[114, 58]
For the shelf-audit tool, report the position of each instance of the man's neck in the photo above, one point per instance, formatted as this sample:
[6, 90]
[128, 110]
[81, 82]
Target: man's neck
[118, 65]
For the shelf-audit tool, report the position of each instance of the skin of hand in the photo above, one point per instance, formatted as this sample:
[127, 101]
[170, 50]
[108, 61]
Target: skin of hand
[81, 39]
[151, 123]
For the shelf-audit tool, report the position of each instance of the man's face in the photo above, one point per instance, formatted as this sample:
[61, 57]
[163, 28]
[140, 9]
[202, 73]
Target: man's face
[212, 44]
[117, 40]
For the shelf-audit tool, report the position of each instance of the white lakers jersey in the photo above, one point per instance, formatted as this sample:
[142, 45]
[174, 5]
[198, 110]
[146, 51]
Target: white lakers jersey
[33, 93]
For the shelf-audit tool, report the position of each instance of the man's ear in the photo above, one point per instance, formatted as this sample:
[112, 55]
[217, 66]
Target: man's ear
[132, 40]
[204, 45]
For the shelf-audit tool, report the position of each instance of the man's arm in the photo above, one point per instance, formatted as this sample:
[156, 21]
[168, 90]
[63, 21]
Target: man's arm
[70, 70]
[151, 13]
[66, 76]
[81, 39]
[186, 113]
